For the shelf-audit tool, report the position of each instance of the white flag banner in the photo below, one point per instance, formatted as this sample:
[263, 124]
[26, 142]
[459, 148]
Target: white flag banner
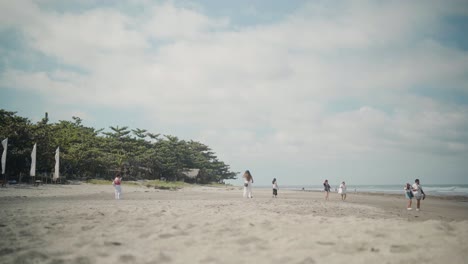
[5, 145]
[33, 162]
[57, 164]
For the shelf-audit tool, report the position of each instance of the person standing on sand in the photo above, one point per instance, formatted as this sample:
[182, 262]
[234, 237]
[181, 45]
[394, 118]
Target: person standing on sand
[248, 180]
[342, 191]
[275, 188]
[116, 183]
[409, 196]
[327, 188]
[418, 194]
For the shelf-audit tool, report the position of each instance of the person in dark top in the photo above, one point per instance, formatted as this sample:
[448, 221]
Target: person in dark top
[275, 188]
[327, 188]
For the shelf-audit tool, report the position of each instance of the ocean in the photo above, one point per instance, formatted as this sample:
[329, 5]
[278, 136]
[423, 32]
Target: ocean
[429, 189]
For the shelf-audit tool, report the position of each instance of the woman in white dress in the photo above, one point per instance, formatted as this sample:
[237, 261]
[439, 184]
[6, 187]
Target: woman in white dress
[248, 180]
[342, 191]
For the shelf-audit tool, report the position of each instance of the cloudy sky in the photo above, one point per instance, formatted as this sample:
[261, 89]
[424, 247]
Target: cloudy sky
[369, 92]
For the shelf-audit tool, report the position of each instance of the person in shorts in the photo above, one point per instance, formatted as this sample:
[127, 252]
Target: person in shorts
[418, 194]
[342, 191]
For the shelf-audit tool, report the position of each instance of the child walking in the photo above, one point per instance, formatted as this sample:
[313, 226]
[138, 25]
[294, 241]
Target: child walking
[409, 196]
[116, 183]
[275, 188]
[342, 191]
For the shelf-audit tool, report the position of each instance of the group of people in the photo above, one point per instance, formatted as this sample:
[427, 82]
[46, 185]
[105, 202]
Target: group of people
[411, 191]
[248, 181]
[341, 190]
[414, 191]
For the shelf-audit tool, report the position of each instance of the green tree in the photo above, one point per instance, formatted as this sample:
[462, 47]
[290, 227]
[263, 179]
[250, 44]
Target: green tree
[87, 152]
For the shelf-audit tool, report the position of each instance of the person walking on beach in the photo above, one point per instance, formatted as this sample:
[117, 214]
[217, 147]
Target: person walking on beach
[248, 180]
[418, 194]
[275, 188]
[342, 191]
[327, 189]
[409, 196]
[116, 183]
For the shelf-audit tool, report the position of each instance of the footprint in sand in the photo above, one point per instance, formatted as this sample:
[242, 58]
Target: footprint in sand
[107, 243]
[446, 227]
[325, 243]
[32, 257]
[166, 235]
[6, 251]
[307, 260]
[400, 248]
[378, 235]
[86, 228]
[249, 240]
[82, 260]
[127, 258]
[162, 258]
[58, 261]
[145, 235]
[210, 260]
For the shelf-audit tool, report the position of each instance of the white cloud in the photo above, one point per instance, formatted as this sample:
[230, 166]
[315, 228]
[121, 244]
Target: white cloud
[262, 92]
[169, 22]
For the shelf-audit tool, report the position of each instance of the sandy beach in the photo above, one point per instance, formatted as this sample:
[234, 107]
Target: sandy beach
[84, 224]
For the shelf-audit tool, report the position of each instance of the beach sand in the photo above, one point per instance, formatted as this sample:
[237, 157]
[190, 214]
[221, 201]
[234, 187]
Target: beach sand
[84, 224]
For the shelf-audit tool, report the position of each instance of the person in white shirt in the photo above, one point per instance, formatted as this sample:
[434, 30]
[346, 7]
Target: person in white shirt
[418, 194]
[342, 191]
[248, 180]
[275, 188]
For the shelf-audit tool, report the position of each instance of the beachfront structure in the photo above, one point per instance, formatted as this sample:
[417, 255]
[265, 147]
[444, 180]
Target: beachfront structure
[191, 175]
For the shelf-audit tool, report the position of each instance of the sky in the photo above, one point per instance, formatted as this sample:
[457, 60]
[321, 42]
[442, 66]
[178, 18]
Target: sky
[367, 92]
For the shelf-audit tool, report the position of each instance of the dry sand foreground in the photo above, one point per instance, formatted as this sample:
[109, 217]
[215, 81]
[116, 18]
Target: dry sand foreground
[84, 224]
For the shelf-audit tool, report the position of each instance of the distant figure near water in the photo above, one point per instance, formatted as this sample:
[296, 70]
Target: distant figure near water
[327, 189]
[342, 191]
[275, 188]
[116, 183]
[248, 180]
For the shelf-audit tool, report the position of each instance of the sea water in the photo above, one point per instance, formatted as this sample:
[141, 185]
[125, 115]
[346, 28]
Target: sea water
[429, 189]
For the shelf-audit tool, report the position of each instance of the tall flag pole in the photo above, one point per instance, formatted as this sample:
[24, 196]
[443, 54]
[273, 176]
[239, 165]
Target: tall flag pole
[5, 146]
[32, 172]
[57, 164]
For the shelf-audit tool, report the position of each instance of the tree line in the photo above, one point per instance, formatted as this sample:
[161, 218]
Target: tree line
[86, 152]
